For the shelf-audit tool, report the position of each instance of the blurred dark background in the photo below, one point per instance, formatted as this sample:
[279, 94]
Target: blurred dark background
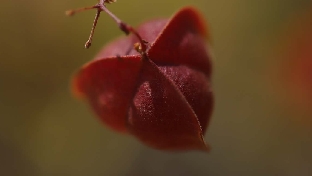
[257, 128]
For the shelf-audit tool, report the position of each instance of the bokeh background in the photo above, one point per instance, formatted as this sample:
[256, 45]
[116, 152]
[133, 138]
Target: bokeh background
[258, 127]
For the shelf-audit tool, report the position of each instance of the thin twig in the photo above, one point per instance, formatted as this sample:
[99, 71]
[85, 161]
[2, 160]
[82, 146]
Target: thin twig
[122, 26]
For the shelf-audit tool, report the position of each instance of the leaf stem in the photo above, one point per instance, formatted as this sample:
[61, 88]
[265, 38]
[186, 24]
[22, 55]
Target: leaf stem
[127, 29]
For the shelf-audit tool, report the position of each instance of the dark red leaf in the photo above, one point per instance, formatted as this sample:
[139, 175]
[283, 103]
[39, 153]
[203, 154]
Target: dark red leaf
[164, 99]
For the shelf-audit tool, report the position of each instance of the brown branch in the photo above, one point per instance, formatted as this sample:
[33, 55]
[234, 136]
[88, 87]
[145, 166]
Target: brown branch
[122, 26]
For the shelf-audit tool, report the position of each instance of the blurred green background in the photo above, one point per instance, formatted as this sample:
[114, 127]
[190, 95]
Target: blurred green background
[45, 131]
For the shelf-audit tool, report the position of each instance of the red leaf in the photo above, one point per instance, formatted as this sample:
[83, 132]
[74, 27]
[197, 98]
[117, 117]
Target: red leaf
[165, 100]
